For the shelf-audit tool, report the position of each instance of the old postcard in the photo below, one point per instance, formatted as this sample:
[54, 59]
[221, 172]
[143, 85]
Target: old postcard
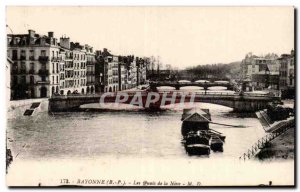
[150, 96]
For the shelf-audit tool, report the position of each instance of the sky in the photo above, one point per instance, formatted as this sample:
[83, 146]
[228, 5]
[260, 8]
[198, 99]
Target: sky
[181, 36]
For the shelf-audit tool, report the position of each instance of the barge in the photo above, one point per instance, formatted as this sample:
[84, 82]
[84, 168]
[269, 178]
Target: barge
[198, 138]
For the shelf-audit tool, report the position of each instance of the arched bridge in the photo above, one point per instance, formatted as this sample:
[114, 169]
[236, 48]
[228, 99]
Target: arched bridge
[154, 100]
[205, 85]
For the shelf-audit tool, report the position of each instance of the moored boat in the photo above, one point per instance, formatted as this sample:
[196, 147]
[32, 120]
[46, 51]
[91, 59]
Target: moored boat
[198, 138]
[197, 144]
[216, 144]
[194, 120]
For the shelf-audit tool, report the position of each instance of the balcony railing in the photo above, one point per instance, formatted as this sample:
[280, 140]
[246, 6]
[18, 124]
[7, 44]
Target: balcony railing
[55, 59]
[43, 72]
[90, 73]
[90, 63]
[43, 59]
[90, 83]
[43, 82]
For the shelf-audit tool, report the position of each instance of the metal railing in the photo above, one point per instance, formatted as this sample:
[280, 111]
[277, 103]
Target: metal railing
[261, 143]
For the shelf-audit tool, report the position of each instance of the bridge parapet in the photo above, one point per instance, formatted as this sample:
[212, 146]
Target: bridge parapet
[245, 102]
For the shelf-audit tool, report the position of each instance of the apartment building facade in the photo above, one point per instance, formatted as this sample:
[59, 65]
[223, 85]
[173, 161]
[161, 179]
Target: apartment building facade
[43, 67]
[90, 69]
[117, 73]
[262, 71]
[35, 68]
[287, 71]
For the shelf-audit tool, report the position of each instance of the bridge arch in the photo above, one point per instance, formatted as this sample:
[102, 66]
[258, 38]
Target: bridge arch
[197, 105]
[194, 87]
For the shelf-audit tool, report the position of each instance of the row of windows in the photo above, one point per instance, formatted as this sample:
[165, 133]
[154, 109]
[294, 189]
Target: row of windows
[79, 56]
[81, 65]
[24, 56]
[55, 54]
[53, 82]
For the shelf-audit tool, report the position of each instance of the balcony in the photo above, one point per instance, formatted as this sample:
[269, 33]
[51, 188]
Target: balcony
[43, 72]
[42, 82]
[43, 59]
[90, 63]
[69, 57]
[55, 59]
[90, 83]
[90, 73]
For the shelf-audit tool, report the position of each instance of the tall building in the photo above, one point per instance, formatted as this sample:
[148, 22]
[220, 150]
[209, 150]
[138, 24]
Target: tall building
[79, 63]
[263, 72]
[287, 71]
[67, 67]
[253, 64]
[90, 69]
[43, 67]
[117, 73]
[100, 71]
[35, 68]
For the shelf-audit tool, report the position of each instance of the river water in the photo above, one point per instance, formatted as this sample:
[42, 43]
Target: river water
[124, 133]
[133, 134]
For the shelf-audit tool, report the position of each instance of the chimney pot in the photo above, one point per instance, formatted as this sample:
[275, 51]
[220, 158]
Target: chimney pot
[50, 34]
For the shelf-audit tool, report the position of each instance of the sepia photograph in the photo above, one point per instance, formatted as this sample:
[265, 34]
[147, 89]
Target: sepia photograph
[150, 96]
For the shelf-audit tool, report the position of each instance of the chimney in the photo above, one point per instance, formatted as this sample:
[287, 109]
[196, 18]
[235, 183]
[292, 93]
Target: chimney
[31, 33]
[65, 42]
[50, 34]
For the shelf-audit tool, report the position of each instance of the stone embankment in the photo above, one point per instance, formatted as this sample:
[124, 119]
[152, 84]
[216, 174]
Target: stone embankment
[282, 147]
[18, 107]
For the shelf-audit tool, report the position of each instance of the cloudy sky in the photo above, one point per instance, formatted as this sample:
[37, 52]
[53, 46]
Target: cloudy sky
[180, 36]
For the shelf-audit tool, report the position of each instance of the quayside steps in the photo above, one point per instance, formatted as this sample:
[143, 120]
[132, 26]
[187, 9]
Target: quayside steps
[261, 143]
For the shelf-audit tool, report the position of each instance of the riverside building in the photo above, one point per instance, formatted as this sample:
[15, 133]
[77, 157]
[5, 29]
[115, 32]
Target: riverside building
[35, 68]
[43, 67]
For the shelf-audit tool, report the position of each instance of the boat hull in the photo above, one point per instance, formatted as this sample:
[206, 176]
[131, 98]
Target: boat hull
[198, 149]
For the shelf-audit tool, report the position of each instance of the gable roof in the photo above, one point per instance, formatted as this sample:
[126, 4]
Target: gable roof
[195, 117]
